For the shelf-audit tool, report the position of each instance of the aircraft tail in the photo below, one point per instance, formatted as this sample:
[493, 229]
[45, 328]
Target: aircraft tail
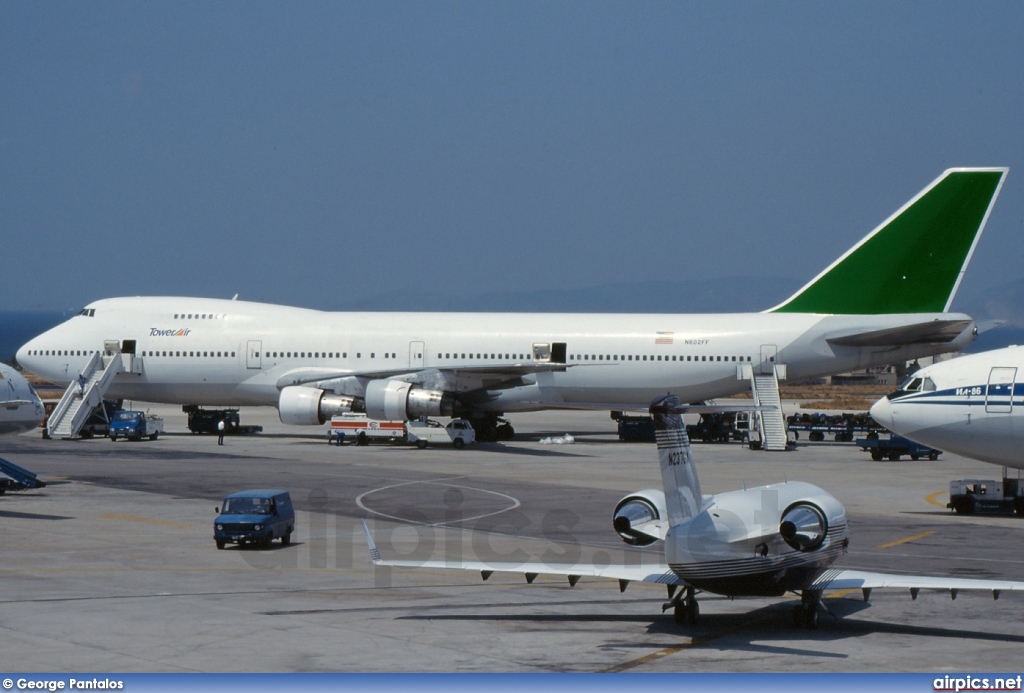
[683, 499]
[914, 261]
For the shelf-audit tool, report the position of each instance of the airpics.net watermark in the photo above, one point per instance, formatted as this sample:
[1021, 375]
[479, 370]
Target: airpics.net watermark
[972, 682]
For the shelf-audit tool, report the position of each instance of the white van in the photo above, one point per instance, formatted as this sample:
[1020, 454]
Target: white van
[458, 432]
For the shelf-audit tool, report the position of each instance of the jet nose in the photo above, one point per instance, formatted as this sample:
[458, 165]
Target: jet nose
[21, 356]
[881, 412]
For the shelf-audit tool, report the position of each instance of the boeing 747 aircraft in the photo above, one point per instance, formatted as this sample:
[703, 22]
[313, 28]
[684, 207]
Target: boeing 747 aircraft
[885, 300]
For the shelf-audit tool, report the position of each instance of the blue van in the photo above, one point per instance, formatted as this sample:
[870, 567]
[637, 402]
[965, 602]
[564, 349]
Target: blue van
[255, 517]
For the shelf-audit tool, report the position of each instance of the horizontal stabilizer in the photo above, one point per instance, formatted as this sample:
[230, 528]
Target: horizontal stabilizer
[931, 332]
[986, 325]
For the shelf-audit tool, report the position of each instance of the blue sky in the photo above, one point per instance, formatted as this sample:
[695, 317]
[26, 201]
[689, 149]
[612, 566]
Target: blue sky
[304, 153]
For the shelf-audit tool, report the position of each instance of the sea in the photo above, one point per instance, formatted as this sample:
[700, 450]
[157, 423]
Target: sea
[18, 327]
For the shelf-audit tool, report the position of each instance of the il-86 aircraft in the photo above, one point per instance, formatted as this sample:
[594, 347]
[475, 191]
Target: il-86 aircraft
[885, 300]
[972, 405]
[757, 542]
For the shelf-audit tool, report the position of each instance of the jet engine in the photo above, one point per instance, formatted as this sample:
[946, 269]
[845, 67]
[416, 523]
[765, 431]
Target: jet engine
[803, 526]
[636, 510]
[310, 406]
[392, 400]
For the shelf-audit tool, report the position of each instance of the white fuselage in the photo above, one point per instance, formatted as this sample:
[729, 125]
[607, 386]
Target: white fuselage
[20, 406]
[220, 352]
[734, 546]
[973, 406]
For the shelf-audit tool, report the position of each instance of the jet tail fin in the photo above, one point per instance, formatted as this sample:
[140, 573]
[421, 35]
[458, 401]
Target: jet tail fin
[683, 499]
[914, 261]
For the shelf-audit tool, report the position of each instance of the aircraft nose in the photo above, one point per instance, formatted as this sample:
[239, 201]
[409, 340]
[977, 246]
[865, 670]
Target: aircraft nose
[881, 412]
[21, 356]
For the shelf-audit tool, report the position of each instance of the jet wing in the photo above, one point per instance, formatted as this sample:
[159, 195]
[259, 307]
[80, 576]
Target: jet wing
[474, 377]
[682, 409]
[856, 579]
[659, 574]
[933, 331]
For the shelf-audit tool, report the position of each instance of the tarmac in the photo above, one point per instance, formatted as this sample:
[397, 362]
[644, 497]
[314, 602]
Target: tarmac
[112, 566]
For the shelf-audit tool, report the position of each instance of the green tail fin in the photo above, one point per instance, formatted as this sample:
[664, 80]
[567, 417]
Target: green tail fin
[914, 261]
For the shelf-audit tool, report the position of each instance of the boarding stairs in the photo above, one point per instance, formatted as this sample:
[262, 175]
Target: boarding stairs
[765, 388]
[20, 478]
[80, 400]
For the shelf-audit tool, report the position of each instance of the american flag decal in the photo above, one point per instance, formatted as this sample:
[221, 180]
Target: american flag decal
[663, 337]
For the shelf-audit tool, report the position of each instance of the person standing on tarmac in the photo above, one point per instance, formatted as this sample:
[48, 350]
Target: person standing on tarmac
[221, 425]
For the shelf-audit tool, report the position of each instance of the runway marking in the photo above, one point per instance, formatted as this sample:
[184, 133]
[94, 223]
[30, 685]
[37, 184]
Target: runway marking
[905, 540]
[668, 651]
[933, 498]
[135, 518]
[360, 497]
[839, 594]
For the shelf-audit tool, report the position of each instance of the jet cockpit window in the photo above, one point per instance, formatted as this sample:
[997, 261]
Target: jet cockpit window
[928, 385]
[913, 386]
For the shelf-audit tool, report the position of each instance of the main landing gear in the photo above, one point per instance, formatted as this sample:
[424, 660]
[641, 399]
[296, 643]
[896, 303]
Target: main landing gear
[805, 614]
[684, 606]
[491, 428]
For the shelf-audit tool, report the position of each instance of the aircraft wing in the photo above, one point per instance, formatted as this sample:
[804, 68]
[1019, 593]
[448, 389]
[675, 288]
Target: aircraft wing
[930, 332]
[461, 378]
[659, 574]
[682, 409]
[856, 579]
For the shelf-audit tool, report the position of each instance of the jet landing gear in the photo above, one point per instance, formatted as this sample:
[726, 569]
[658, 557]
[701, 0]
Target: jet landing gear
[491, 428]
[805, 614]
[684, 606]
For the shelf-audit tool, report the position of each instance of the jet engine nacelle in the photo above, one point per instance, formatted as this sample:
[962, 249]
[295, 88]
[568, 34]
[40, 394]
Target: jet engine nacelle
[310, 406]
[803, 526]
[394, 400]
[634, 512]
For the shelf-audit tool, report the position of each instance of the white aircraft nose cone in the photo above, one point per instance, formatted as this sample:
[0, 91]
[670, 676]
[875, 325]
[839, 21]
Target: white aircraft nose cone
[21, 356]
[881, 412]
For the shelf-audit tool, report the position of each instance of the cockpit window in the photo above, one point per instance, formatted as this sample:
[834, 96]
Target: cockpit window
[88, 312]
[913, 386]
[928, 385]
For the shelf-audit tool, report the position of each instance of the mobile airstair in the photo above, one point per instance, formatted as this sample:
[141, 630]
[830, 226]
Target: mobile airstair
[20, 478]
[85, 393]
[771, 423]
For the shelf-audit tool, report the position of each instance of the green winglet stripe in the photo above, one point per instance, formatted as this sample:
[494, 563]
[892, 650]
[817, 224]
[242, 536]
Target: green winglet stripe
[914, 261]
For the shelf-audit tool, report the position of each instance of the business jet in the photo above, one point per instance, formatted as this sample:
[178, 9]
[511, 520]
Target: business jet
[20, 407]
[883, 301]
[757, 542]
